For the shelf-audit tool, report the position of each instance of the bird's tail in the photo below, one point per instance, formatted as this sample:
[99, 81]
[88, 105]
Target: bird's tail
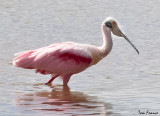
[24, 60]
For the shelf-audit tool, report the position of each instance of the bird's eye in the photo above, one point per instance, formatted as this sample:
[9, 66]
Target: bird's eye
[108, 24]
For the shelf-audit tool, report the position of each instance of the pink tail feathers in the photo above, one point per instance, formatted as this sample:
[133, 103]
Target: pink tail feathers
[24, 60]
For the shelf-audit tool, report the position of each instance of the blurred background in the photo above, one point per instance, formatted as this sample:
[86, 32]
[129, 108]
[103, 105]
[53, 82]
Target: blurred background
[120, 85]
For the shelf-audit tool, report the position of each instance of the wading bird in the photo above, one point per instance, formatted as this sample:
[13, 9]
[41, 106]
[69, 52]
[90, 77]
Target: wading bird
[66, 59]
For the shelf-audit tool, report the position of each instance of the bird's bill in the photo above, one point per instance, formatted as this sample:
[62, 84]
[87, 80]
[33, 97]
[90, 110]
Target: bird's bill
[131, 43]
[118, 32]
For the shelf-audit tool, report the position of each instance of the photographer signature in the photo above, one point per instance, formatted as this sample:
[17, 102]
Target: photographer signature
[147, 112]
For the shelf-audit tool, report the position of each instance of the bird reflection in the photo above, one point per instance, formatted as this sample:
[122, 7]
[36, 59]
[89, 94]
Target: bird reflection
[63, 101]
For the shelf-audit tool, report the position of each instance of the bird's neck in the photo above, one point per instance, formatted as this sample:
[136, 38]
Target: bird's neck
[107, 41]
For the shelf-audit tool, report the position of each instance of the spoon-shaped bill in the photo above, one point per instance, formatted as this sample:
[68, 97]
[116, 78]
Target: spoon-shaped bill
[118, 32]
[130, 43]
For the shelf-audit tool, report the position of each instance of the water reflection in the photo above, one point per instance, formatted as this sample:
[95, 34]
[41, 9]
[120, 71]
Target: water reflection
[62, 101]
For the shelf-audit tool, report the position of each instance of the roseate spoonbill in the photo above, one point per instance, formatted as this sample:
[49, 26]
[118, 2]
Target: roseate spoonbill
[66, 59]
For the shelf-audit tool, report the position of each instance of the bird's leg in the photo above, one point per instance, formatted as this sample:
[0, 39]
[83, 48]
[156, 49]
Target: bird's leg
[50, 81]
[66, 79]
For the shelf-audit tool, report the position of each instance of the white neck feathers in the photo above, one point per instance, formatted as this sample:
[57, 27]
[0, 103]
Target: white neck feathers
[107, 41]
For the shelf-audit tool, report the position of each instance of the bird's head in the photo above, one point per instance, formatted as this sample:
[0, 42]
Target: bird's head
[113, 26]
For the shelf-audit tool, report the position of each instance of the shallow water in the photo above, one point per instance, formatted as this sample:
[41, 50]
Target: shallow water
[122, 84]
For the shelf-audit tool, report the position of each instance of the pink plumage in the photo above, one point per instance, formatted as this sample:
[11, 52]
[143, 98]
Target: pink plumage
[60, 59]
[66, 59]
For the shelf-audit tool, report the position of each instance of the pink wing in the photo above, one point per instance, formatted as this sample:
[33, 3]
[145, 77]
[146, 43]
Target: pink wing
[60, 58]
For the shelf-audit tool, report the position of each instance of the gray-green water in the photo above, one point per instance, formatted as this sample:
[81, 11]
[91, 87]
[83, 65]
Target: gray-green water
[122, 84]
